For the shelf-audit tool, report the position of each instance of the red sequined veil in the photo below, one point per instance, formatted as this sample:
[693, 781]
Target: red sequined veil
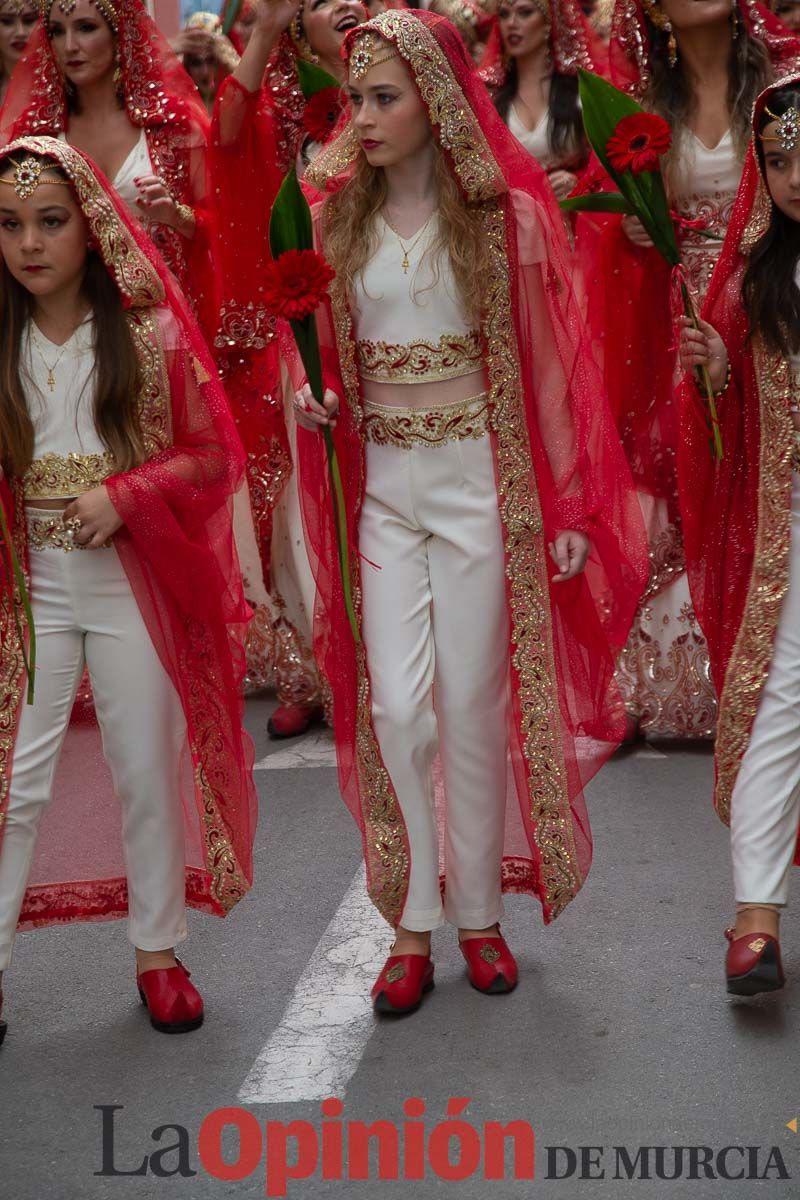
[737, 512]
[176, 534]
[559, 465]
[158, 96]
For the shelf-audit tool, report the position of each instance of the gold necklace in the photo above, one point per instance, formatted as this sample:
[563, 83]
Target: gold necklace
[405, 264]
[51, 379]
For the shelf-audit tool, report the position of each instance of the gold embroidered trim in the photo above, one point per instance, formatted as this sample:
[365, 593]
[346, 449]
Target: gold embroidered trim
[407, 427]
[533, 655]
[61, 476]
[420, 361]
[752, 653]
[796, 451]
[50, 533]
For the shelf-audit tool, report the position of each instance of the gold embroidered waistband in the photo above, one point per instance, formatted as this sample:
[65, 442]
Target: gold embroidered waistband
[405, 427]
[60, 476]
[48, 531]
[421, 361]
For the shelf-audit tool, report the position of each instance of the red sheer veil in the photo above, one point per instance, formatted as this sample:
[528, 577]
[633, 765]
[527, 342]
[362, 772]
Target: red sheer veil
[176, 547]
[629, 48]
[573, 44]
[157, 90]
[559, 465]
[736, 513]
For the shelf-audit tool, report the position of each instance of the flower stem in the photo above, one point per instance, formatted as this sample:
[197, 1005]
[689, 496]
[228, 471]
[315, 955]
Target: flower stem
[716, 436]
[340, 521]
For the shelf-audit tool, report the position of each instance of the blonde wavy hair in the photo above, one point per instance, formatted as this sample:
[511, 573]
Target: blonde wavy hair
[350, 235]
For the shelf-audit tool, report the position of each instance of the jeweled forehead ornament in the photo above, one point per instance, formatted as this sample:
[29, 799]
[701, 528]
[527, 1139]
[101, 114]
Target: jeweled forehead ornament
[17, 7]
[788, 134]
[67, 7]
[369, 51]
[28, 174]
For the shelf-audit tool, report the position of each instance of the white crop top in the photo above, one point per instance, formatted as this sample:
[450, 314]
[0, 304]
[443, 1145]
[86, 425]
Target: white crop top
[537, 140]
[137, 163]
[68, 456]
[410, 326]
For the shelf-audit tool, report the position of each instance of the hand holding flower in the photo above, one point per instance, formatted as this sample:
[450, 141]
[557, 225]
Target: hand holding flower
[702, 346]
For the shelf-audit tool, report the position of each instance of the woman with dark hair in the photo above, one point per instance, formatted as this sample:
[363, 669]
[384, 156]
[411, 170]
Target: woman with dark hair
[17, 19]
[119, 459]
[700, 66]
[742, 530]
[531, 65]
[103, 78]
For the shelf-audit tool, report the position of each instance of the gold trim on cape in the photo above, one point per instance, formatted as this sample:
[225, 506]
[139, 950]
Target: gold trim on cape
[769, 581]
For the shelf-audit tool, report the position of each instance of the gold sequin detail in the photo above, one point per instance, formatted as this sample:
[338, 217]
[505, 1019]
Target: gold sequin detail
[395, 973]
[50, 533]
[752, 652]
[61, 476]
[757, 946]
[421, 361]
[385, 425]
[489, 954]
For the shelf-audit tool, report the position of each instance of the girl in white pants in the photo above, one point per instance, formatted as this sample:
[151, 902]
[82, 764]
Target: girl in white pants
[118, 459]
[742, 518]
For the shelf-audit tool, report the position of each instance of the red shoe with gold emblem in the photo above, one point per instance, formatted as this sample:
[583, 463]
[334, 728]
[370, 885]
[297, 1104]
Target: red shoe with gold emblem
[753, 964]
[290, 720]
[491, 967]
[174, 1004]
[402, 983]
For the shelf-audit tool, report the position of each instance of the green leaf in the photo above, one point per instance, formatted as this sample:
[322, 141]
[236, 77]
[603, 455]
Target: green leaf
[290, 225]
[313, 79]
[612, 202]
[231, 16]
[604, 106]
[307, 341]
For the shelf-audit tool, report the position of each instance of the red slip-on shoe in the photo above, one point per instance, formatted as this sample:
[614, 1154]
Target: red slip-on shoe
[753, 964]
[3, 1024]
[402, 983]
[290, 720]
[491, 967]
[174, 1004]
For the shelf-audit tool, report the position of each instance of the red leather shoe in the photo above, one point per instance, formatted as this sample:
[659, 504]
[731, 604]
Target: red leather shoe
[290, 720]
[491, 967]
[174, 1004]
[3, 1024]
[753, 964]
[402, 983]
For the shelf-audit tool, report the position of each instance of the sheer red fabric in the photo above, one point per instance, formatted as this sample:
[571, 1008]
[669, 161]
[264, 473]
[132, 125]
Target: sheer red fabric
[559, 465]
[158, 96]
[736, 513]
[176, 547]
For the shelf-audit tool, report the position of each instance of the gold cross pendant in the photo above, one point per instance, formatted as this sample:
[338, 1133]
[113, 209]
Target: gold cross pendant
[406, 264]
[51, 381]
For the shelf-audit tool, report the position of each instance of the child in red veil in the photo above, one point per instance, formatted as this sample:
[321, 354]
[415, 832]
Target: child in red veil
[119, 459]
[742, 530]
[472, 434]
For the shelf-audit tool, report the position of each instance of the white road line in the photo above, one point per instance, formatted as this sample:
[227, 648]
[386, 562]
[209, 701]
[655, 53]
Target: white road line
[313, 750]
[316, 1049]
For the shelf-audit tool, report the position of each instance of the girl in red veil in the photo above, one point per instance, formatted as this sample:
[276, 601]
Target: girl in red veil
[102, 77]
[472, 434]
[119, 460]
[700, 66]
[741, 520]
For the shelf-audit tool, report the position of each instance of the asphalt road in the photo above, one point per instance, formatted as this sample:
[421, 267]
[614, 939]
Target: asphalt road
[619, 1037]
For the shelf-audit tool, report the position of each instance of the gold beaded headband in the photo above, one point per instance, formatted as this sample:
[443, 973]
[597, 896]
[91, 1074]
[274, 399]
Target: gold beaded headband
[106, 7]
[369, 51]
[28, 174]
[788, 129]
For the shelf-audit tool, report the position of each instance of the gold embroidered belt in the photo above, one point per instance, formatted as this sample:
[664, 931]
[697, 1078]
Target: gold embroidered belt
[386, 425]
[454, 354]
[62, 476]
[47, 530]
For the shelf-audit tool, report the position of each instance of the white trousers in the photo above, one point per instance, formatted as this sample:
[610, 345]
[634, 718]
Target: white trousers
[85, 614]
[765, 806]
[436, 635]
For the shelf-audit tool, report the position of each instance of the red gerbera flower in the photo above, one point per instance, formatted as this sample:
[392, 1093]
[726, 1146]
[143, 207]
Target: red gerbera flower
[295, 284]
[322, 113]
[638, 142]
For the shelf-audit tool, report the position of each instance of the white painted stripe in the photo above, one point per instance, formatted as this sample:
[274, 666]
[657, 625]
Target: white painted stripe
[323, 1033]
[312, 750]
